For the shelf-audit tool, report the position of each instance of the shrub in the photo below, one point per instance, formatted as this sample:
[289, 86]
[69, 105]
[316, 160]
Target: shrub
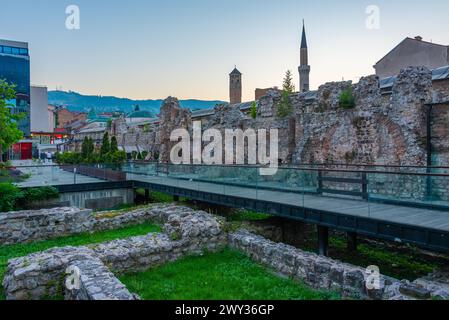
[40, 194]
[347, 99]
[253, 110]
[9, 195]
[285, 108]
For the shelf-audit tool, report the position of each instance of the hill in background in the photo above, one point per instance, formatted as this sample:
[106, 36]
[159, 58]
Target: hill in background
[78, 102]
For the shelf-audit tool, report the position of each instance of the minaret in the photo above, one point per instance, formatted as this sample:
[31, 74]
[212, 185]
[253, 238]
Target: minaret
[304, 68]
[235, 86]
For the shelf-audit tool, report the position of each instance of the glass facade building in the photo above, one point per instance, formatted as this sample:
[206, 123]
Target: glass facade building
[15, 69]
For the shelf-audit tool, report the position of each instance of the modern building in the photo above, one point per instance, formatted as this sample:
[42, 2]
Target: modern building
[235, 87]
[304, 68]
[15, 69]
[411, 53]
[42, 114]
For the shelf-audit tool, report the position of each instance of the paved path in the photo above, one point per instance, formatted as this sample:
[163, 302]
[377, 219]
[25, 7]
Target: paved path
[51, 176]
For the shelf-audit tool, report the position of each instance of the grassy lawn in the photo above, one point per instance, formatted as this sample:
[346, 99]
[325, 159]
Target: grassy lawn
[20, 250]
[247, 215]
[227, 275]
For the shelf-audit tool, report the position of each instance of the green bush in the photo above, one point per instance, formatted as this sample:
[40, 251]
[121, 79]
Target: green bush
[347, 99]
[9, 196]
[253, 110]
[40, 194]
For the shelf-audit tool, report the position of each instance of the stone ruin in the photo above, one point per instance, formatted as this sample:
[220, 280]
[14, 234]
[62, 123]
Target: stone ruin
[320, 131]
[43, 275]
[186, 232]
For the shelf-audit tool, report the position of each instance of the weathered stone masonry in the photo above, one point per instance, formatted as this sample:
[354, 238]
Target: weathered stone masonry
[188, 232]
[42, 275]
[324, 273]
[320, 131]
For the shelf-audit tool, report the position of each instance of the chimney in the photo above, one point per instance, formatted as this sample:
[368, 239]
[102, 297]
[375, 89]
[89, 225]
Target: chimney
[419, 38]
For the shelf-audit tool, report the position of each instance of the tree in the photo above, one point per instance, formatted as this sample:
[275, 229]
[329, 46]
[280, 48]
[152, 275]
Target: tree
[253, 110]
[114, 144]
[87, 150]
[91, 147]
[285, 107]
[84, 148]
[9, 132]
[105, 145]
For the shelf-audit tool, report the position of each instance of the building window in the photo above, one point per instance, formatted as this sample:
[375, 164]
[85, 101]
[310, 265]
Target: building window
[23, 52]
[7, 50]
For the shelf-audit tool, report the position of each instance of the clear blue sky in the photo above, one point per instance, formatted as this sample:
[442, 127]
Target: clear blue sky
[186, 48]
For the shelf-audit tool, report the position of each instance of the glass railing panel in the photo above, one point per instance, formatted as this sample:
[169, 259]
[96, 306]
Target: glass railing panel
[336, 190]
[437, 191]
[239, 181]
[399, 188]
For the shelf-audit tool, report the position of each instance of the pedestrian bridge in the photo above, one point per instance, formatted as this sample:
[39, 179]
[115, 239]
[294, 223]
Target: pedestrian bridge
[406, 204]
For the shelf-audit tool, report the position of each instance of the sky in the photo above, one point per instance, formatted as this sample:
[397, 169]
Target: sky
[151, 49]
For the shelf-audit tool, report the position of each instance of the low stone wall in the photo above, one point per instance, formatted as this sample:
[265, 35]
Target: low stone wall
[97, 282]
[42, 275]
[35, 225]
[185, 232]
[26, 226]
[327, 274]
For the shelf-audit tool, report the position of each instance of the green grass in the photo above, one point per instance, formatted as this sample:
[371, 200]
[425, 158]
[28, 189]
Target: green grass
[401, 264]
[228, 275]
[20, 250]
[247, 215]
[159, 197]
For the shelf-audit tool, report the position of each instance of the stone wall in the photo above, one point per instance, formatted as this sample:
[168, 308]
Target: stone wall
[35, 225]
[189, 232]
[43, 275]
[440, 134]
[327, 274]
[320, 131]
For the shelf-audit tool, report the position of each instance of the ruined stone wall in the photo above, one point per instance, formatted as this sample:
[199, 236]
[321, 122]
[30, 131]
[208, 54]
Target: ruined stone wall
[320, 131]
[327, 274]
[35, 225]
[172, 117]
[440, 90]
[440, 134]
[26, 226]
[43, 275]
[146, 137]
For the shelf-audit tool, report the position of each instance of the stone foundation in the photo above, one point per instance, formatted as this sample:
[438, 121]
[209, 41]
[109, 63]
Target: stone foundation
[42, 275]
[327, 274]
[36, 225]
[185, 232]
